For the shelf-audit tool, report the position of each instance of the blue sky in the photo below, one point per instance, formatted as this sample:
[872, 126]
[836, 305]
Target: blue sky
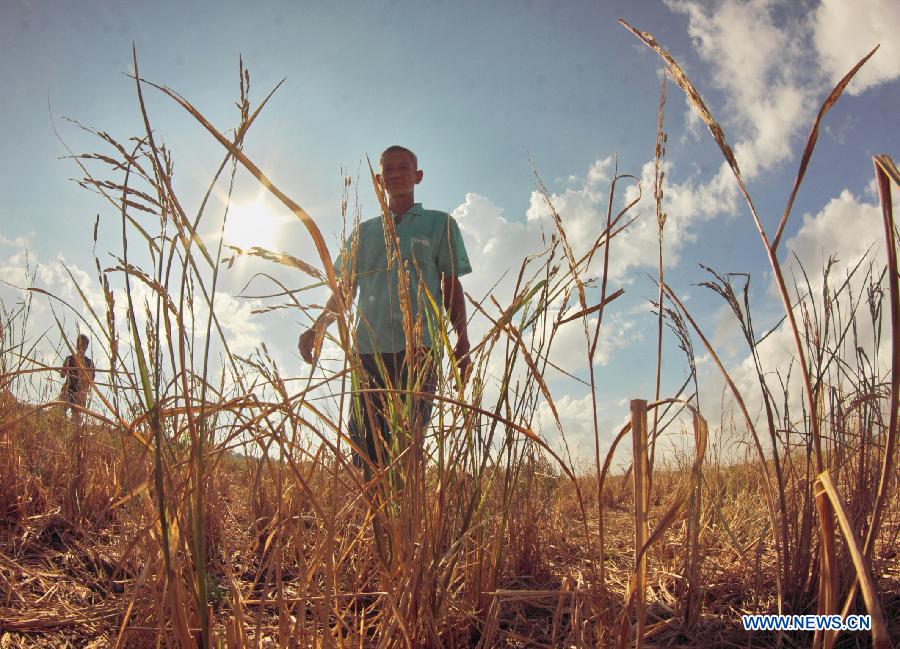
[478, 90]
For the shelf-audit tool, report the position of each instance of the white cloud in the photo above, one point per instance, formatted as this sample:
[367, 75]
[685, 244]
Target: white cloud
[756, 60]
[21, 269]
[844, 32]
[821, 235]
[576, 416]
[871, 191]
[579, 205]
[243, 330]
[582, 210]
[21, 242]
[495, 244]
[570, 349]
[775, 69]
[826, 234]
[498, 244]
[686, 204]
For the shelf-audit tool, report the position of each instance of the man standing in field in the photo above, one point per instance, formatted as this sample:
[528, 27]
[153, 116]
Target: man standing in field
[429, 252]
[78, 370]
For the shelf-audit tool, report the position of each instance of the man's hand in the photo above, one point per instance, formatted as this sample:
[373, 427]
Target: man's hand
[310, 344]
[463, 360]
[455, 304]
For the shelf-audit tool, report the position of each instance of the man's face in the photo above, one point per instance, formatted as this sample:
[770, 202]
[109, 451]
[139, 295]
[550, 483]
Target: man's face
[399, 176]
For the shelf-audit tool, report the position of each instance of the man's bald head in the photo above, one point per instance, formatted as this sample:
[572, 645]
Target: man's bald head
[396, 148]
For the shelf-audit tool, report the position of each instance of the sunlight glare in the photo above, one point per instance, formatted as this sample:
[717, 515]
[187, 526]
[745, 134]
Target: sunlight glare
[254, 223]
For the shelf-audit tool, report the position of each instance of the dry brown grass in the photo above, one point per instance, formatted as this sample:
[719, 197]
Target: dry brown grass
[69, 582]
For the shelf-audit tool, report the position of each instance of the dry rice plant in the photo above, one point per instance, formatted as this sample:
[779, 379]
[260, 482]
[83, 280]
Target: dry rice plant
[203, 503]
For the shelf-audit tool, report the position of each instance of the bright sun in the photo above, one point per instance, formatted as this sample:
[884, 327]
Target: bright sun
[254, 223]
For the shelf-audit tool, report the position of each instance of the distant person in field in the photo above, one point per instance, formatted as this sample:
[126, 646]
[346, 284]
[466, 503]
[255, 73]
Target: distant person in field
[78, 370]
[433, 258]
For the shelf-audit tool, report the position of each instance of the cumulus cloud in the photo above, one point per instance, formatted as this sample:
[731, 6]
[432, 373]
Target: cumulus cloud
[687, 205]
[770, 70]
[243, 330]
[774, 70]
[844, 32]
[582, 209]
[822, 235]
[825, 234]
[20, 270]
[496, 244]
[17, 242]
[499, 244]
[570, 349]
[755, 61]
[576, 416]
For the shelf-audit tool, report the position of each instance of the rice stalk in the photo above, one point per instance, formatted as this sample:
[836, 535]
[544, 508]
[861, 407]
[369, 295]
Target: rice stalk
[885, 173]
[828, 580]
[880, 637]
[640, 471]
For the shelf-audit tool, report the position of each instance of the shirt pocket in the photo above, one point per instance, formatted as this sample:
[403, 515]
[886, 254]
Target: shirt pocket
[372, 258]
[418, 252]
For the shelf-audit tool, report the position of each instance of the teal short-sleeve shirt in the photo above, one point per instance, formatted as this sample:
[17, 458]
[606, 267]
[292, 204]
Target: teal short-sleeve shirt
[430, 246]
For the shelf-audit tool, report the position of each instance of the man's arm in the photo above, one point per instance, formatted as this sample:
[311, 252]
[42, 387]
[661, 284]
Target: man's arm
[311, 339]
[455, 305]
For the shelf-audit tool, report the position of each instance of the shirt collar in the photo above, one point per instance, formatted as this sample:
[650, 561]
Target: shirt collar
[415, 209]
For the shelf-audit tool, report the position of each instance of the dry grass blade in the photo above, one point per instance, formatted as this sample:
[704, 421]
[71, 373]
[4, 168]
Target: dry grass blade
[828, 573]
[44, 620]
[659, 174]
[507, 316]
[886, 170]
[513, 333]
[694, 98]
[811, 141]
[640, 469]
[158, 158]
[586, 312]
[763, 465]
[676, 508]
[256, 172]
[527, 432]
[880, 637]
[278, 257]
[888, 167]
